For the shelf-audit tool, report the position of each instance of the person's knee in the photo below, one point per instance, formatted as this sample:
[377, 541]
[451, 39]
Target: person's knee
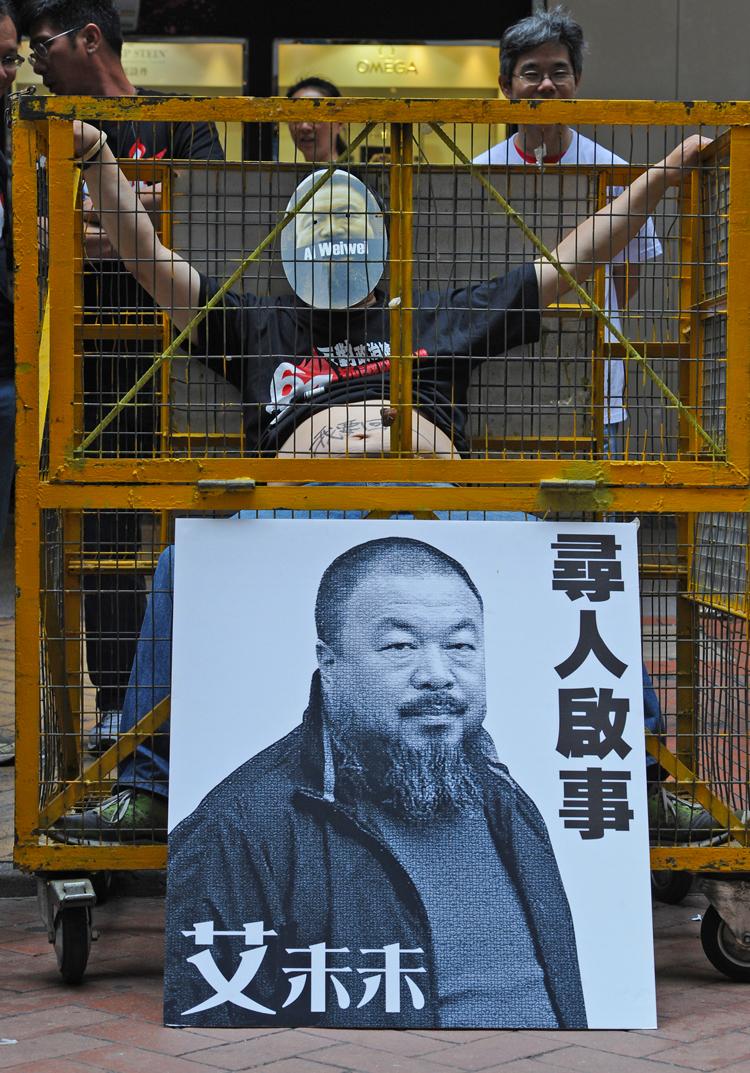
[163, 581]
[157, 619]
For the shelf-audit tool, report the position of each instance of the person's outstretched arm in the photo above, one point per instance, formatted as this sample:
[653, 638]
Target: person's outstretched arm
[172, 282]
[596, 241]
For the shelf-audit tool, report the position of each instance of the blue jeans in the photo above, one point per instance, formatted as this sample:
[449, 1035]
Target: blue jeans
[7, 448]
[150, 678]
[614, 440]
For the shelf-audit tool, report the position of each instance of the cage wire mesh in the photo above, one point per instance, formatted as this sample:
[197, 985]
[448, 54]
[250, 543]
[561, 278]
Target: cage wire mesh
[213, 214]
[564, 397]
[695, 645]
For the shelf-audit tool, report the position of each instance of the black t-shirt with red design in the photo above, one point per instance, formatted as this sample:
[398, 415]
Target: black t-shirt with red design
[145, 139]
[288, 360]
[109, 287]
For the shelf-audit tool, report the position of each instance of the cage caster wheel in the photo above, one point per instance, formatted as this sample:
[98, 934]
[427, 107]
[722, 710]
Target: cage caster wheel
[723, 949]
[65, 905]
[72, 942]
[670, 887]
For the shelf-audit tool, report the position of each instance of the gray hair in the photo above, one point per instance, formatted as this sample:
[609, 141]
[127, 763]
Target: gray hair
[541, 28]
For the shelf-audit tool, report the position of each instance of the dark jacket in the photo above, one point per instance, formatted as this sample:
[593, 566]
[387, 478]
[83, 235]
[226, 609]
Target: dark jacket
[272, 843]
[7, 358]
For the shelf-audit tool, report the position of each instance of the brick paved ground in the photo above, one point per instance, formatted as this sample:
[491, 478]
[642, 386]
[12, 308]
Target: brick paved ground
[112, 1021]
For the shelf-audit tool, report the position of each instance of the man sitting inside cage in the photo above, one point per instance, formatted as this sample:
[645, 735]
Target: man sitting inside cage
[541, 58]
[313, 371]
[331, 835]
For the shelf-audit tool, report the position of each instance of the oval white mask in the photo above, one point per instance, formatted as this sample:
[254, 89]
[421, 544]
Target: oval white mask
[334, 250]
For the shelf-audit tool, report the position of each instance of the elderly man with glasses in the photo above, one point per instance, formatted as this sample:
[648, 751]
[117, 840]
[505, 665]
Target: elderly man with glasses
[76, 48]
[541, 57]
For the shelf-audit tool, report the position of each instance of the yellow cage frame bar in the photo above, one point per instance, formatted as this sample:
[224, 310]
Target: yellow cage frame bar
[630, 485]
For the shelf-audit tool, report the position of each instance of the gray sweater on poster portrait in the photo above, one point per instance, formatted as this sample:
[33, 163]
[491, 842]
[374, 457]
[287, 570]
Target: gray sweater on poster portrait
[272, 843]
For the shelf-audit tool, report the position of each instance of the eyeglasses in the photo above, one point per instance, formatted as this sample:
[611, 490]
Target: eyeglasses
[40, 49]
[11, 61]
[532, 76]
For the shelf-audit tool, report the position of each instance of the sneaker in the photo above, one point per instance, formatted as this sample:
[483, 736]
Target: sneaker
[674, 820]
[129, 816]
[7, 751]
[104, 734]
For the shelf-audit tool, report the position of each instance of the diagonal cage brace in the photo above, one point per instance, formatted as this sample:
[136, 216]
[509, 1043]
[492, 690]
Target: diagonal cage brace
[215, 299]
[630, 351]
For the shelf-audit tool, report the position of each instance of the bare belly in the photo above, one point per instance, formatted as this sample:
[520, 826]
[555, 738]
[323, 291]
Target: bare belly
[357, 429]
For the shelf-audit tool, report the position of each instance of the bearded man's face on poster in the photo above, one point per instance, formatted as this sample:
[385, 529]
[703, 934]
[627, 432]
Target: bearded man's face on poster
[403, 678]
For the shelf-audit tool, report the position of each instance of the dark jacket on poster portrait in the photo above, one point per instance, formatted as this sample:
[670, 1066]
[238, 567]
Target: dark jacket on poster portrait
[269, 843]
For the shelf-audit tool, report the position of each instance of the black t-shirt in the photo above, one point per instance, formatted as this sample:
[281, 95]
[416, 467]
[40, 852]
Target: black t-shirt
[288, 360]
[142, 139]
[108, 286]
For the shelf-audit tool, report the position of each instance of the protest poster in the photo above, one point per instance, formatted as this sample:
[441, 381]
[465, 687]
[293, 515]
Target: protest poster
[407, 783]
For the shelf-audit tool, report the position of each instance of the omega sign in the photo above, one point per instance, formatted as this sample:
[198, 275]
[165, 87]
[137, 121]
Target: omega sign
[386, 63]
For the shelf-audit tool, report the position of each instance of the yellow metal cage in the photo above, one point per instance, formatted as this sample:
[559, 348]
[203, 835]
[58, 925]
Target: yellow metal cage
[536, 430]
